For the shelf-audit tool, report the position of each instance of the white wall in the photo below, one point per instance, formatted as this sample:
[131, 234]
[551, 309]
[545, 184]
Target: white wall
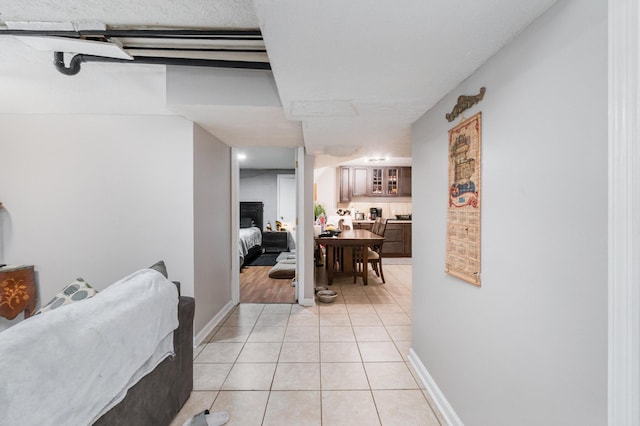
[96, 197]
[326, 188]
[530, 346]
[262, 185]
[212, 233]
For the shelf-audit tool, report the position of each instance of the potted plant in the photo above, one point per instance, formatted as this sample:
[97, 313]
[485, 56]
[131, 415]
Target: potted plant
[317, 211]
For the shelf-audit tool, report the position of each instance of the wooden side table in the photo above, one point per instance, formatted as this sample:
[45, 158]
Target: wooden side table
[17, 291]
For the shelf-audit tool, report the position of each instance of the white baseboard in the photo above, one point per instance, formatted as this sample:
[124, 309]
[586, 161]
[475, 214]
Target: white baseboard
[199, 338]
[437, 396]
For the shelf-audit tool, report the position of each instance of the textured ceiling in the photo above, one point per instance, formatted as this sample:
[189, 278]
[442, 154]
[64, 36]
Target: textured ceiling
[351, 76]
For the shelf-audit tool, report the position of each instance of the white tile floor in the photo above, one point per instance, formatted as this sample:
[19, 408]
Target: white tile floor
[338, 364]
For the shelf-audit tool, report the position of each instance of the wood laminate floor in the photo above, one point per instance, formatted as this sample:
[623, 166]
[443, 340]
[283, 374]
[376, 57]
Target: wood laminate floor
[257, 287]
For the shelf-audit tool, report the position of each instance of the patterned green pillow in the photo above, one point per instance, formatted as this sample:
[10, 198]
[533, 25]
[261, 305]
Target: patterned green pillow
[74, 292]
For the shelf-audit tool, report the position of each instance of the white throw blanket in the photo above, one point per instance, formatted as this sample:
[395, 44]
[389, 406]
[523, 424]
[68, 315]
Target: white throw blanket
[70, 365]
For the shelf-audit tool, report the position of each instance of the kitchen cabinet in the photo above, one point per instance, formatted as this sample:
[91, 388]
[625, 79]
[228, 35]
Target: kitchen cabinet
[360, 186]
[363, 225]
[363, 181]
[388, 181]
[397, 239]
[344, 184]
[405, 182]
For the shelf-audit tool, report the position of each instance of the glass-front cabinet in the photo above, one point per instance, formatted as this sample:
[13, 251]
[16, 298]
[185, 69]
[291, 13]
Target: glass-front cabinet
[385, 181]
[377, 186]
[392, 181]
[366, 181]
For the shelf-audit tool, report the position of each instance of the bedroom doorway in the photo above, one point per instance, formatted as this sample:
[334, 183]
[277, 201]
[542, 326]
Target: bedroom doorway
[266, 177]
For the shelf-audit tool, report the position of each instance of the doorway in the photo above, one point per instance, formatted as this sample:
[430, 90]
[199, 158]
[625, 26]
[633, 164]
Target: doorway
[267, 177]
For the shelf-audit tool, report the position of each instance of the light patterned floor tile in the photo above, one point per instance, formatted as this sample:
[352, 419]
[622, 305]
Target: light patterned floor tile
[388, 308]
[239, 320]
[245, 408]
[304, 320]
[339, 352]
[399, 333]
[278, 320]
[343, 376]
[198, 349]
[210, 376]
[371, 334]
[300, 408]
[260, 352]
[332, 308]
[277, 308]
[360, 309]
[379, 352]
[249, 377]
[357, 300]
[302, 334]
[249, 308]
[389, 375]
[348, 408]
[232, 334]
[219, 352]
[404, 408]
[335, 320]
[403, 348]
[299, 309]
[297, 376]
[395, 319]
[300, 352]
[337, 334]
[267, 334]
[362, 340]
[365, 319]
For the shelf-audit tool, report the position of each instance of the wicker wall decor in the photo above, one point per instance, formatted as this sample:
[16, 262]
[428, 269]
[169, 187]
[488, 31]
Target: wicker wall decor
[463, 215]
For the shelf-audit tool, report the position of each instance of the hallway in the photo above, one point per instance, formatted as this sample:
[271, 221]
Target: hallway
[341, 363]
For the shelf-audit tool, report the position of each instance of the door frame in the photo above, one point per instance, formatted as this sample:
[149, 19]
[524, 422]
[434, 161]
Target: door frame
[304, 227]
[624, 210]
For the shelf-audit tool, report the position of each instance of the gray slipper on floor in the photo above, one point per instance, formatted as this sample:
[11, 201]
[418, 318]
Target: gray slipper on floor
[208, 419]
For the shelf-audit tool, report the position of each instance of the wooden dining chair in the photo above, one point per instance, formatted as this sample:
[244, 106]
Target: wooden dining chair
[374, 255]
[375, 252]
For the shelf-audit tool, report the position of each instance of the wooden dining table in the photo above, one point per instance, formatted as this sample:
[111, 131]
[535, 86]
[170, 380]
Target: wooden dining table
[353, 239]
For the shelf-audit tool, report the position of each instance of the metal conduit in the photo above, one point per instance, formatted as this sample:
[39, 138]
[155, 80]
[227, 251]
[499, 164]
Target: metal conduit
[172, 34]
[77, 60]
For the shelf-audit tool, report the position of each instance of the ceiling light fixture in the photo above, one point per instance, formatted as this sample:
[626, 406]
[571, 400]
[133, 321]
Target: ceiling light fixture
[242, 157]
[377, 159]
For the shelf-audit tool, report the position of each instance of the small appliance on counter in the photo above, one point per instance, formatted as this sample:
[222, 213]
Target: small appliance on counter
[403, 216]
[359, 216]
[375, 212]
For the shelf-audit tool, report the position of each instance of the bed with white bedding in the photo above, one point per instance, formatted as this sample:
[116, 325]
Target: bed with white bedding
[251, 225]
[250, 238]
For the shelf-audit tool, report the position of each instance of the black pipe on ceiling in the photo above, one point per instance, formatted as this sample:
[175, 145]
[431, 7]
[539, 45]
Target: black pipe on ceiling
[77, 60]
[221, 34]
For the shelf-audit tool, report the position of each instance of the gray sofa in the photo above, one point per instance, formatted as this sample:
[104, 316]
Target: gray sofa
[158, 397]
